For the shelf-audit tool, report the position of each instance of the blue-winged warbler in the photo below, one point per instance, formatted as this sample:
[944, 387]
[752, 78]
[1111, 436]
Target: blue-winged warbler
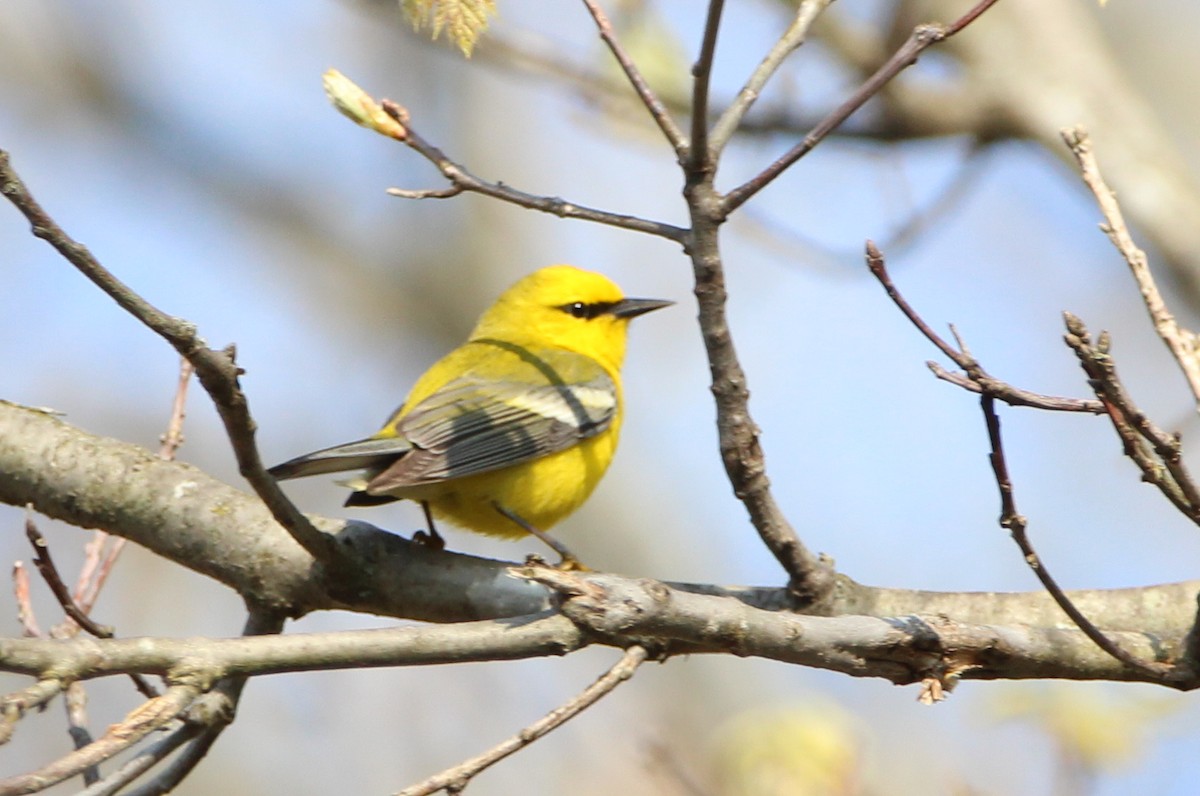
[522, 419]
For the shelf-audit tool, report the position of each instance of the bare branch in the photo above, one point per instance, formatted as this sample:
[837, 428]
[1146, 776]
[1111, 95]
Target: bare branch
[208, 717]
[173, 438]
[807, 12]
[1015, 523]
[454, 779]
[241, 546]
[976, 379]
[45, 565]
[13, 707]
[701, 162]
[619, 612]
[662, 117]
[75, 702]
[145, 719]
[81, 658]
[464, 180]
[1183, 344]
[217, 370]
[140, 763]
[427, 193]
[1157, 454]
[25, 613]
[1015, 396]
[810, 578]
[923, 36]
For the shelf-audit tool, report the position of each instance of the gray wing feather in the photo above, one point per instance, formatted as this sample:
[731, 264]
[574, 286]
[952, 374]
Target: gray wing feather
[364, 454]
[473, 426]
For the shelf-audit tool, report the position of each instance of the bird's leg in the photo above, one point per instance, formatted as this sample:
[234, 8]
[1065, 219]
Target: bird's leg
[433, 540]
[568, 562]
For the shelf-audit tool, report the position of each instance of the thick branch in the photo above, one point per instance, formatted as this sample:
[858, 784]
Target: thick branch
[185, 516]
[619, 612]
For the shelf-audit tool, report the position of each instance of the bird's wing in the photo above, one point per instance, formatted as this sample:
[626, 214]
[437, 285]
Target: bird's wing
[477, 423]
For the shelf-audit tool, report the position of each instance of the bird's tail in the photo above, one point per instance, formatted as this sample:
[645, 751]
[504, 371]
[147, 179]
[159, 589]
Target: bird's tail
[372, 453]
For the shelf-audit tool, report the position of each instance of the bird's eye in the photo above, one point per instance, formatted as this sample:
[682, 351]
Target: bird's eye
[585, 311]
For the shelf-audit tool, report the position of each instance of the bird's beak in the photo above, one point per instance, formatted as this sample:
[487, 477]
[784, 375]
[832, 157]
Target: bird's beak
[633, 307]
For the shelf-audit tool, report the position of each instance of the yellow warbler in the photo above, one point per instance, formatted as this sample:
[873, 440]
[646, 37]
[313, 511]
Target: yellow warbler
[515, 426]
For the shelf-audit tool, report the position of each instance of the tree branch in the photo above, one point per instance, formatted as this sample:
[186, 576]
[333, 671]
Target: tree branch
[1157, 454]
[796, 34]
[976, 379]
[1013, 521]
[620, 612]
[216, 369]
[1182, 343]
[810, 578]
[701, 162]
[923, 36]
[148, 717]
[208, 717]
[658, 111]
[456, 778]
[182, 515]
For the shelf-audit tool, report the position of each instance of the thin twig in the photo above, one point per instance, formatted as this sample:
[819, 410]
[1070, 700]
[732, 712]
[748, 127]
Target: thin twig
[45, 565]
[25, 613]
[172, 439]
[1016, 524]
[210, 715]
[658, 111]
[456, 778]
[1183, 344]
[217, 370]
[426, 193]
[146, 718]
[976, 379]
[1015, 396]
[807, 12]
[701, 161]
[75, 702]
[86, 592]
[1156, 453]
[459, 176]
[98, 564]
[140, 763]
[14, 706]
[922, 37]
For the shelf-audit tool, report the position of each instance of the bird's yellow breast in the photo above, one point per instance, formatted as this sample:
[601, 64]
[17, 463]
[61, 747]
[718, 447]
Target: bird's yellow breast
[546, 489]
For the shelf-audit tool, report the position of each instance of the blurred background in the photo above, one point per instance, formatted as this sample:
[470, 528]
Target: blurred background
[191, 148]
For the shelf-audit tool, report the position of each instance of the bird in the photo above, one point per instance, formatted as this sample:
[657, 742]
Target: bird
[510, 432]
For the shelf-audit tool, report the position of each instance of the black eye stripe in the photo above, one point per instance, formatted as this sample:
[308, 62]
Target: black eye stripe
[586, 311]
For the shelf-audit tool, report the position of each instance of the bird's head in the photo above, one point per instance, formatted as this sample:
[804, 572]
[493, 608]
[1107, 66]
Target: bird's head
[566, 307]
